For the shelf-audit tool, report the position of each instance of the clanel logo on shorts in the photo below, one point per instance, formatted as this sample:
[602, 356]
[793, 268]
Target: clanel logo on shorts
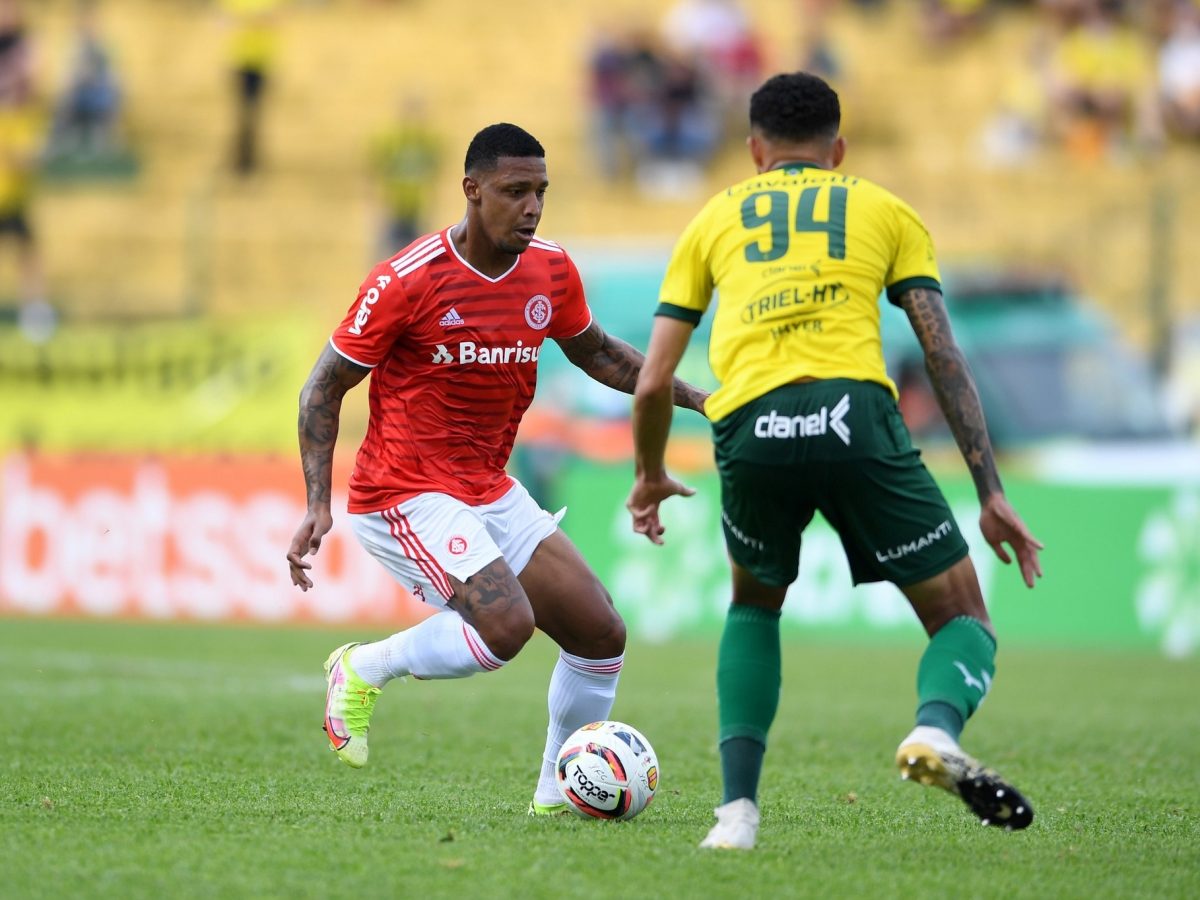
[457, 545]
[776, 425]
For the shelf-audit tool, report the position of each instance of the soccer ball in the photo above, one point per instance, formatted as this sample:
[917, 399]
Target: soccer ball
[607, 770]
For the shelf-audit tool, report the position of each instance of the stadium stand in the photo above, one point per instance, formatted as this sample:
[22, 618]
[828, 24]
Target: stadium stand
[185, 236]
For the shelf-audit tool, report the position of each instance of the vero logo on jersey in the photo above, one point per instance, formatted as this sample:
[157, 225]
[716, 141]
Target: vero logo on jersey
[469, 353]
[370, 298]
[774, 425]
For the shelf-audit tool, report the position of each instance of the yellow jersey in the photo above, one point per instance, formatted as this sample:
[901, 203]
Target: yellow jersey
[254, 42]
[406, 158]
[20, 139]
[798, 258]
[1115, 60]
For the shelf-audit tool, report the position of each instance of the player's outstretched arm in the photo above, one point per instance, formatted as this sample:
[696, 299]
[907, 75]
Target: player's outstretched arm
[614, 363]
[320, 415]
[958, 398]
[652, 425]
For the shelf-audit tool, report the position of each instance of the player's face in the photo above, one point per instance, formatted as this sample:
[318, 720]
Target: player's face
[511, 197]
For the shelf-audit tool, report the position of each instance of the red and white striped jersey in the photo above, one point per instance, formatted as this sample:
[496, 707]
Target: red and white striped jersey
[454, 355]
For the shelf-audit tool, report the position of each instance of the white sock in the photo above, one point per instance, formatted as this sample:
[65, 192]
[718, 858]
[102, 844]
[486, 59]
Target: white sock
[443, 646]
[581, 691]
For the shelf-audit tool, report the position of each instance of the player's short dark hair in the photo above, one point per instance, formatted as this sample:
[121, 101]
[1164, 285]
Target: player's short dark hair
[796, 106]
[495, 141]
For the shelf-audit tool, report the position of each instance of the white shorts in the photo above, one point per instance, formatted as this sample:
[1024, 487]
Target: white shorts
[422, 539]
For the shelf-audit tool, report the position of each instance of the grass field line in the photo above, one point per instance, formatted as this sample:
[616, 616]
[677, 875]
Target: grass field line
[186, 672]
[233, 687]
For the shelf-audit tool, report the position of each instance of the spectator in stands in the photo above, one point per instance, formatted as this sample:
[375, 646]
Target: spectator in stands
[1179, 72]
[609, 93]
[16, 56]
[20, 137]
[404, 160]
[946, 21]
[676, 127]
[85, 118]
[653, 106]
[684, 126]
[644, 67]
[253, 48]
[1099, 80]
[818, 54]
[1016, 128]
[717, 38]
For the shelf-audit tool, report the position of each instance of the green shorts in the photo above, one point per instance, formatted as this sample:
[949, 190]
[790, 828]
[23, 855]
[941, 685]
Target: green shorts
[840, 447]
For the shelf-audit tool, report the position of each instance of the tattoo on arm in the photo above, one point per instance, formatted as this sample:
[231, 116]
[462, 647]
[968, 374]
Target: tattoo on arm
[604, 358]
[614, 363]
[953, 385]
[320, 412]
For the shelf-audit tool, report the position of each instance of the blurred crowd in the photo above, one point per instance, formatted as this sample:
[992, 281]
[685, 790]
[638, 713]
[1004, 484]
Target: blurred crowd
[73, 128]
[74, 123]
[663, 100]
[1103, 79]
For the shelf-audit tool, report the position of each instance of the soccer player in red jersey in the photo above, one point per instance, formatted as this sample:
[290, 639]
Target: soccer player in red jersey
[451, 329]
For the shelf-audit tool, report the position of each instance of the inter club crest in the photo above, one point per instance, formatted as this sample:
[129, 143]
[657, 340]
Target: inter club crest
[537, 312]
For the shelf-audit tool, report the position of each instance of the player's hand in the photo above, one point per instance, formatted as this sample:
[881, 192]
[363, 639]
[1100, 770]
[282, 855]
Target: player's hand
[1001, 525]
[644, 500]
[307, 540]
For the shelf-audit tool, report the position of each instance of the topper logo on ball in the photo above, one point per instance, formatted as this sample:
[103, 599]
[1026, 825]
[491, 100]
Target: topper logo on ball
[589, 787]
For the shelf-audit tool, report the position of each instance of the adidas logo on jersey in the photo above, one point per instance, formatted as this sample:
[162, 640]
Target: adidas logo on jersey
[451, 318]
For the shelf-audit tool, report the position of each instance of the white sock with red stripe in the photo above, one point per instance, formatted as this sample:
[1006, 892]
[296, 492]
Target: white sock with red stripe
[581, 691]
[443, 646]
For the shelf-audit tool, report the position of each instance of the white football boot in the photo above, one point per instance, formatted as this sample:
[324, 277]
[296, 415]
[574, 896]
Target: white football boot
[736, 828]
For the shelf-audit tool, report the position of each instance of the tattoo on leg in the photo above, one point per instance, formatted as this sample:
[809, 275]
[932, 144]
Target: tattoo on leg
[493, 589]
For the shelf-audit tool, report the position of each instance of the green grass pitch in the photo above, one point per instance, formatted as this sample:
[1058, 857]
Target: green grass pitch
[188, 761]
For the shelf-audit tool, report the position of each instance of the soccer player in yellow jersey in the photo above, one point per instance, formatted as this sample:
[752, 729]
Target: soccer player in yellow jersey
[253, 47]
[805, 420]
